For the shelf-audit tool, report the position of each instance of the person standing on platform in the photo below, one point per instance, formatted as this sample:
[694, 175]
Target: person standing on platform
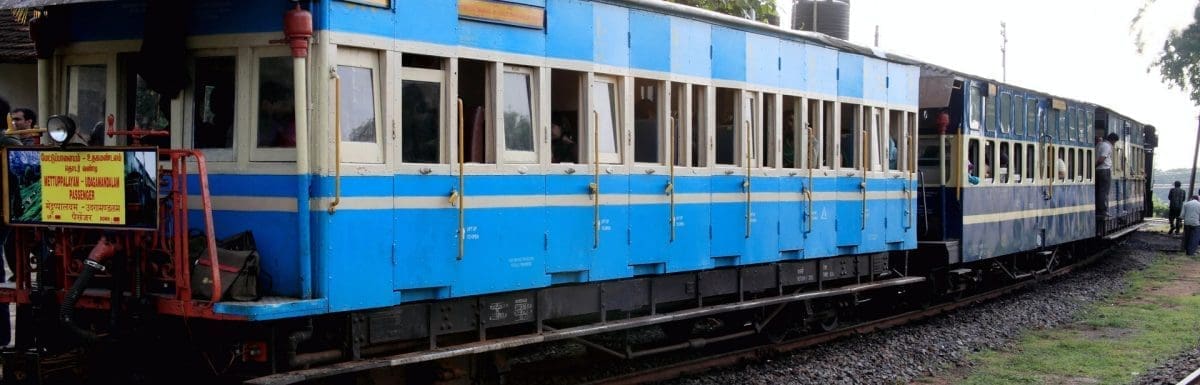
[1191, 221]
[1176, 198]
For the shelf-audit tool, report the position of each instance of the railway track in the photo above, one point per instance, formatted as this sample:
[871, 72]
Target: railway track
[761, 352]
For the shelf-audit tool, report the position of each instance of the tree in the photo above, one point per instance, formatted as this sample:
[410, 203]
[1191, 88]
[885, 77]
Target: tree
[760, 10]
[1179, 61]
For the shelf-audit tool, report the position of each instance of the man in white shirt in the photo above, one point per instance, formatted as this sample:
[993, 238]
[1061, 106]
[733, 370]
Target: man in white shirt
[1191, 221]
[1104, 172]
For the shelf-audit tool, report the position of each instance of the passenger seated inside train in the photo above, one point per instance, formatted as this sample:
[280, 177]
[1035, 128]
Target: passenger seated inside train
[645, 132]
[789, 143]
[563, 148]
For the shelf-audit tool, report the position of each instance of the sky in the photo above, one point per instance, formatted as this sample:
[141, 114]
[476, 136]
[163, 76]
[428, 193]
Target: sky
[1079, 49]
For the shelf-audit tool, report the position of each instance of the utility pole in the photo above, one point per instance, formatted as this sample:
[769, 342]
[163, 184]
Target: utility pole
[1004, 52]
[876, 35]
[1192, 185]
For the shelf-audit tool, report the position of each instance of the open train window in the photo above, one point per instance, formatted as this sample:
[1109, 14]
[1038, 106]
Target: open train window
[1031, 117]
[679, 124]
[473, 79]
[422, 109]
[212, 106]
[362, 134]
[566, 107]
[989, 161]
[849, 135]
[1072, 165]
[767, 135]
[700, 119]
[87, 93]
[727, 135]
[144, 108]
[605, 107]
[517, 98]
[1060, 165]
[1003, 171]
[274, 111]
[896, 140]
[748, 118]
[990, 118]
[1018, 163]
[646, 122]
[794, 145]
[974, 161]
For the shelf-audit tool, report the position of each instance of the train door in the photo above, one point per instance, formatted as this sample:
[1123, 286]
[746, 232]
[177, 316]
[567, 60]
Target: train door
[649, 181]
[730, 184]
[896, 184]
[851, 177]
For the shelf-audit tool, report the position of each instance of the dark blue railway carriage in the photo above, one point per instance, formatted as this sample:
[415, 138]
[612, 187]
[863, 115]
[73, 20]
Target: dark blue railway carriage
[429, 173]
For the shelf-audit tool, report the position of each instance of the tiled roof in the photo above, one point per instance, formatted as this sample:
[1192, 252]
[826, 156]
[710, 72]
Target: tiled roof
[15, 45]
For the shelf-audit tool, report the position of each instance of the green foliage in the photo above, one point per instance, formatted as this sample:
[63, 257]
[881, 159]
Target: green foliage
[1179, 61]
[760, 10]
[1160, 208]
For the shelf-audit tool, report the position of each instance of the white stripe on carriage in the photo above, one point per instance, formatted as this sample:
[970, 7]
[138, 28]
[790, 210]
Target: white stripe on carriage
[1022, 214]
[245, 203]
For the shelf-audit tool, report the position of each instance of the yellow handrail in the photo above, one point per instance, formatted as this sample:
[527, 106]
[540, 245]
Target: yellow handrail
[958, 168]
[670, 191]
[866, 164]
[749, 157]
[812, 151]
[594, 187]
[462, 229]
[337, 141]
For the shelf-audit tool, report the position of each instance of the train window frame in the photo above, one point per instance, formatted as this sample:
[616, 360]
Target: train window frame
[769, 136]
[1004, 170]
[660, 108]
[516, 156]
[990, 117]
[70, 95]
[417, 74]
[897, 127]
[855, 136]
[1004, 104]
[355, 151]
[267, 154]
[214, 154]
[1031, 117]
[975, 106]
[615, 97]
[700, 119]
[679, 123]
[799, 133]
[750, 112]
[814, 125]
[1017, 163]
[1031, 169]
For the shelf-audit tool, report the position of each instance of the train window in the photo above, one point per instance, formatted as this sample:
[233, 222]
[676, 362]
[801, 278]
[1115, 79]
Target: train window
[646, 120]
[877, 138]
[566, 103]
[974, 161]
[1060, 165]
[990, 118]
[727, 135]
[851, 117]
[748, 119]
[1005, 113]
[1030, 165]
[976, 105]
[814, 124]
[795, 141]
[829, 134]
[473, 79]
[145, 108]
[1031, 117]
[604, 106]
[1072, 170]
[87, 87]
[769, 129]
[1018, 165]
[213, 100]
[1061, 117]
[275, 133]
[359, 114]
[421, 109]
[1003, 170]
[1018, 115]
[519, 122]
[896, 140]
[1081, 126]
[989, 161]
[679, 128]
[699, 121]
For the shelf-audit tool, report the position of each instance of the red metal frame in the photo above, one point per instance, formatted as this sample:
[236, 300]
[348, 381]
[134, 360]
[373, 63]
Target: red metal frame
[174, 240]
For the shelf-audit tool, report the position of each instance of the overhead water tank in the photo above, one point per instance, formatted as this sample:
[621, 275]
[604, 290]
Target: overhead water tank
[830, 17]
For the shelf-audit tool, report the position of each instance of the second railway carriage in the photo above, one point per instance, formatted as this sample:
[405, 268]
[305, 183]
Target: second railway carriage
[1128, 193]
[425, 173]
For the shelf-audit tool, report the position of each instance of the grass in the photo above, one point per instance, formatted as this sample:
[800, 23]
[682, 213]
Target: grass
[1114, 340]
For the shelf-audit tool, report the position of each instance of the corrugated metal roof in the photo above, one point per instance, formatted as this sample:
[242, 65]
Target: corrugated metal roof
[11, 4]
[15, 45]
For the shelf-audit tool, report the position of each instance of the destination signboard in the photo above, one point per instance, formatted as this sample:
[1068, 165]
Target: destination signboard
[81, 187]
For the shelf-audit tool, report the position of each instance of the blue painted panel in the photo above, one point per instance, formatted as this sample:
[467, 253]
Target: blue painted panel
[364, 19]
[822, 70]
[355, 261]
[649, 224]
[501, 37]
[506, 243]
[793, 218]
[612, 34]
[898, 83]
[570, 231]
[728, 53]
[850, 75]
[650, 38]
[690, 250]
[763, 244]
[875, 80]
[897, 221]
[691, 47]
[569, 29]
[275, 235]
[762, 60]
[95, 21]
[428, 21]
[793, 65]
[247, 185]
[728, 218]
[427, 240]
[849, 211]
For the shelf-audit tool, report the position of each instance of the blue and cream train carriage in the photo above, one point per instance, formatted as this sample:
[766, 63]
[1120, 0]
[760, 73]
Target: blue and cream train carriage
[427, 179]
